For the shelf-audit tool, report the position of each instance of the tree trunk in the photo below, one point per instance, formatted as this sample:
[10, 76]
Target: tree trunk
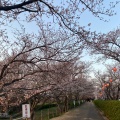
[32, 114]
[66, 104]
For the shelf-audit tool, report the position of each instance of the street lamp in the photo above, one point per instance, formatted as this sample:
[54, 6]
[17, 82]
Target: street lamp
[110, 80]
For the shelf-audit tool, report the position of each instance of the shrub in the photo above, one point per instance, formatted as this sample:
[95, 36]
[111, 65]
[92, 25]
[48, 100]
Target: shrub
[45, 106]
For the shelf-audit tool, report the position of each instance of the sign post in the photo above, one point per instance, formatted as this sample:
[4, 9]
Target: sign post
[26, 111]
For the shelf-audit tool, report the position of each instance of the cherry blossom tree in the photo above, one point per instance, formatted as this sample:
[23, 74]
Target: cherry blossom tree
[25, 64]
[70, 79]
[27, 54]
[107, 45]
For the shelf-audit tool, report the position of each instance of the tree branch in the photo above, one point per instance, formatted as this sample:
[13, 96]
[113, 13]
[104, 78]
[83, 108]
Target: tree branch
[7, 8]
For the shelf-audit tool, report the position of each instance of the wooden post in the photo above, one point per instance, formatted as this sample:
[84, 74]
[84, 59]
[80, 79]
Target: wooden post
[48, 114]
[41, 115]
[10, 117]
[56, 111]
[53, 113]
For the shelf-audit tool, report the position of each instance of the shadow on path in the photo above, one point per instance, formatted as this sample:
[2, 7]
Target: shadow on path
[87, 111]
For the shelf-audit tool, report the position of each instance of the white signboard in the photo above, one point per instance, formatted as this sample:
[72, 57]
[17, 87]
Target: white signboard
[26, 111]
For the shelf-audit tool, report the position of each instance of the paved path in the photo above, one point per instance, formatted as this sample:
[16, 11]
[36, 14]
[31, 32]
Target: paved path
[87, 111]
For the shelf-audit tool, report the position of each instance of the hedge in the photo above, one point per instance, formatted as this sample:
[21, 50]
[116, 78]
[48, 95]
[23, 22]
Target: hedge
[110, 108]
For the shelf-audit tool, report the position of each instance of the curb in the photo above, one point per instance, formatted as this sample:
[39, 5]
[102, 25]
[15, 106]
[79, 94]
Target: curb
[102, 114]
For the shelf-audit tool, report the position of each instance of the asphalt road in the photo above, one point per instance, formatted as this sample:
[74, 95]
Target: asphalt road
[87, 111]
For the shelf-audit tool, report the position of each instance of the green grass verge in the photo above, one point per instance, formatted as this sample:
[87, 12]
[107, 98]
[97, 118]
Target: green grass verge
[46, 114]
[111, 108]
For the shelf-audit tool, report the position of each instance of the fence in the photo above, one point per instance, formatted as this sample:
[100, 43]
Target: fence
[49, 113]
